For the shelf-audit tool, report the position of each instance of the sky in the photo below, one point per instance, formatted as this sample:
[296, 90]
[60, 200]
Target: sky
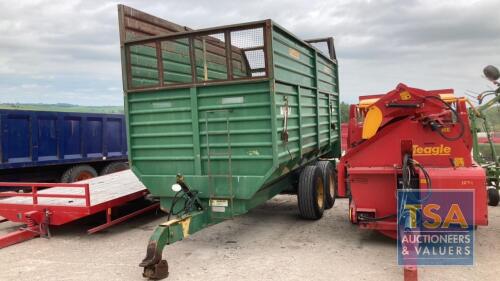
[54, 51]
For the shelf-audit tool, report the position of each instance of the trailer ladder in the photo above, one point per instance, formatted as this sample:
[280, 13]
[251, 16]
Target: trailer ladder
[218, 204]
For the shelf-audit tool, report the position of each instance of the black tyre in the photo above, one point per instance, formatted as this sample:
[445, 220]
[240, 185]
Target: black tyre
[311, 193]
[78, 173]
[114, 167]
[330, 182]
[493, 197]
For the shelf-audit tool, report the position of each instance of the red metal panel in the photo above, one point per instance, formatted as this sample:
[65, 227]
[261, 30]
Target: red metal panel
[59, 214]
[16, 237]
[370, 167]
[39, 214]
[36, 186]
[463, 178]
[374, 188]
[110, 222]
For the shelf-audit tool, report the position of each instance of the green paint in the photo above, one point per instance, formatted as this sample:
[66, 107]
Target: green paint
[492, 165]
[171, 129]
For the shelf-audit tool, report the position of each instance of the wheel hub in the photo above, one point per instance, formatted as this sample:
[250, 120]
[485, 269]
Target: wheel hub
[320, 190]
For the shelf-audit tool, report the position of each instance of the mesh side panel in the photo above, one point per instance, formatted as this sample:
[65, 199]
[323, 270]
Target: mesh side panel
[210, 57]
[198, 57]
[250, 48]
[256, 62]
[322, 47]
[248, 38]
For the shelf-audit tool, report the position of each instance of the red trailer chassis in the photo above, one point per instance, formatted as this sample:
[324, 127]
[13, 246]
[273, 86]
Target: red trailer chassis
[56, 204]
[429, 127]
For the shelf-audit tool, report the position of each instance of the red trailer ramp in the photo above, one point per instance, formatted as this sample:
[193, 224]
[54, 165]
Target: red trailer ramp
[58, 204]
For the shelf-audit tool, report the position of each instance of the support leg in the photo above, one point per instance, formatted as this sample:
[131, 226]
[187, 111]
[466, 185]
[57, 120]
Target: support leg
[167, 233]
[410, 273]
[154, 266]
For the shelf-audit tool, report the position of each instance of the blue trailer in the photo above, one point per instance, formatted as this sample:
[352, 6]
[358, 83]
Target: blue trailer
[60, 146]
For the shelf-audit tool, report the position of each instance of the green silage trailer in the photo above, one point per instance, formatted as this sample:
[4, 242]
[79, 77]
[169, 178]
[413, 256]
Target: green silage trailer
[222, 119]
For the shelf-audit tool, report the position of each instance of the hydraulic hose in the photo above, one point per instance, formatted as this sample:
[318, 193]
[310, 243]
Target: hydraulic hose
[406, 173]
[427, 178]
[460, 121]
[174, 202]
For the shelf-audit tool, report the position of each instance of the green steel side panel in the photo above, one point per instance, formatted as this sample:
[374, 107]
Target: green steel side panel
[176, 62]
[246, 108]
[289, 93]
[165, 141]
[293, 61]
[160, 130]
[143, 66]
[307, 81]
[177, 65]
[226, 138]
[327, 75]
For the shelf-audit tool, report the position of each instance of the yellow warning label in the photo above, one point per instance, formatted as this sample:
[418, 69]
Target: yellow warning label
[327, 69]
[294, 53]
[185, 226]
[458, 161]
[219, 203]
[405, 95]
[467, 182]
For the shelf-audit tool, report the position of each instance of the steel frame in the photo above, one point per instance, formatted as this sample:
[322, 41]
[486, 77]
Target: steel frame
[265, 25]
[38, 217]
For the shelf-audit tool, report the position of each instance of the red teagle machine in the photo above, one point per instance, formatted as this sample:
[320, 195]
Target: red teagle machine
[407, 139]
[425, 130]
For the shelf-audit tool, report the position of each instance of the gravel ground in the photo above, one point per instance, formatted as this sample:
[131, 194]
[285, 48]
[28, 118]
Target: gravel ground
[269, 243]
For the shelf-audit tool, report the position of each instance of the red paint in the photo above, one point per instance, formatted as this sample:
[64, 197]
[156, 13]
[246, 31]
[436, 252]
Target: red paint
[370, 168]
[343, 131]
[495, 138]
[35, 215]
[18, 236]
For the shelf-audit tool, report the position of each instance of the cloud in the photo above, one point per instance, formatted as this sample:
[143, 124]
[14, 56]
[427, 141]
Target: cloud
[67, 51]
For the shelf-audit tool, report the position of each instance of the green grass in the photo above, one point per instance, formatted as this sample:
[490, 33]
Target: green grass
[493, 116]
[485, 150]
[62, 107]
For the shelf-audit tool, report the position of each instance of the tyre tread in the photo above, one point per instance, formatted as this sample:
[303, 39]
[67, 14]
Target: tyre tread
[69, 174]
[306, 193]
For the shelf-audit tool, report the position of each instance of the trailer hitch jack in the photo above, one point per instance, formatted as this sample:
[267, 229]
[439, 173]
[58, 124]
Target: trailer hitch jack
[157, 271]
[154, 266]
[165, 234]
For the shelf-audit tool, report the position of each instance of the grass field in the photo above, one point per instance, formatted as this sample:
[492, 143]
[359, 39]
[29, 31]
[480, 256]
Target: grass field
[485, 150]
[493, 116]
[64, 108]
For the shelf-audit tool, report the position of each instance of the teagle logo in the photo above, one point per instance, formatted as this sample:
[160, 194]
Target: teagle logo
[431, 150]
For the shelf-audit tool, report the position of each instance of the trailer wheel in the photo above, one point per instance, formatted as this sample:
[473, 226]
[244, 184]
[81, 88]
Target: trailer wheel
[330, 182]
[114, 167]
[493, 197]
[352, 211]
[78, 173]
[311, 193]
